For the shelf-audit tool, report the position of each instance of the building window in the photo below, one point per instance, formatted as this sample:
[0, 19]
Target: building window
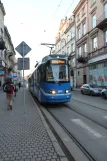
[83, 11]
[93, 2]
[73, 62]
[78, 73]
[72, 47]
[105, 10]
[79, 51]
[105, 37]
[67, 38]
[94, 21]
[78, 17]
[84, 29]
[94, 43]
[67, 50]
[79, 33]
[72, 33]
[85, 48]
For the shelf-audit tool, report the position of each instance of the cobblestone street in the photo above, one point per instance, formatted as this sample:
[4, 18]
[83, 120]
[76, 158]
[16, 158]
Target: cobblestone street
[23, 136]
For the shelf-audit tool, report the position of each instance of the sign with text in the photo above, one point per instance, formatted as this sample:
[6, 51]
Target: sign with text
[26, 64]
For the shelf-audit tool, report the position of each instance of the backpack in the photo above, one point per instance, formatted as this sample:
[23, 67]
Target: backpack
[8, 88]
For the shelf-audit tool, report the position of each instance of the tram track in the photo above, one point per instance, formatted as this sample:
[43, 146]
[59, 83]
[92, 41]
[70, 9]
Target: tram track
[89, 105]
[89, 118]
[70, 158]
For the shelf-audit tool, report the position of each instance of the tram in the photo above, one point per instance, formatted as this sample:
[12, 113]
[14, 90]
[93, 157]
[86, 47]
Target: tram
[50, 81]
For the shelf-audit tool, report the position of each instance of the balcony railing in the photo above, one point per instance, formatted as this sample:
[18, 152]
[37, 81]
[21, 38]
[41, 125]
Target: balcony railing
[82, 58]
[98, 52]
[101, 22]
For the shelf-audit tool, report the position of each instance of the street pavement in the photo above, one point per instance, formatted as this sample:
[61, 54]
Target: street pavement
[23, 136]
[96, 101]
[87, 124]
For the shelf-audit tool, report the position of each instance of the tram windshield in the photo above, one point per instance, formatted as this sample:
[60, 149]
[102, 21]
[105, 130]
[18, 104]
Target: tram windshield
[57, 73]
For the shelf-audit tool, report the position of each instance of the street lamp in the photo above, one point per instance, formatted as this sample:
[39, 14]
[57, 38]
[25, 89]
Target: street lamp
[51, 46]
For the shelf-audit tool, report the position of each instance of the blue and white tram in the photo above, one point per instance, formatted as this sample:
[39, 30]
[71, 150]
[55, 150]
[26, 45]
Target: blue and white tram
[50, 81]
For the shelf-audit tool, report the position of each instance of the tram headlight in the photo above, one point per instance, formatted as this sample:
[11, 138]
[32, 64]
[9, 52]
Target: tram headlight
[67, 91]
[52, 91]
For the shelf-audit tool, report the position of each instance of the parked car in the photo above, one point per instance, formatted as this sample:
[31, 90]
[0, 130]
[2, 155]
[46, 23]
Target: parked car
[91, 89]
[104, 93]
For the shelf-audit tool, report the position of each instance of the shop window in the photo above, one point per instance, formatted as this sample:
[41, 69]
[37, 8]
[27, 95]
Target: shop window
[105, 64]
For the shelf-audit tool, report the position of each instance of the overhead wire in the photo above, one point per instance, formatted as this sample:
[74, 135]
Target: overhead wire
[69, 7]
[58, 6]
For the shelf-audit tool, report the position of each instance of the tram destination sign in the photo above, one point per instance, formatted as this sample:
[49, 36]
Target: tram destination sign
[59, 61]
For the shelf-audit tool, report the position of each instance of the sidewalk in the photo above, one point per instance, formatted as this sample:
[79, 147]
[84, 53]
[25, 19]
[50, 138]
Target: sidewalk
[76, 89]
[23, 136]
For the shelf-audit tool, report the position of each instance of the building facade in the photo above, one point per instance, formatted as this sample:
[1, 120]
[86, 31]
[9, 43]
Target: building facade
[97, 62]
[65, 44]
[82, 29]
[7, 52]
[87, 48]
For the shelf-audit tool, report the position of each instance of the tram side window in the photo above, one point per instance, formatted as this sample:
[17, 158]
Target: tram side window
[41, 76]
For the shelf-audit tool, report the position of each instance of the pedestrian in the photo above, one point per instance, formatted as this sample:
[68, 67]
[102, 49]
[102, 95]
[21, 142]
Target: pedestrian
[19, 84]
[16, 90]
[9, 88]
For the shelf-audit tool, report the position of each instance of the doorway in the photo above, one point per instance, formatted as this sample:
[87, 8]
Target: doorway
[84, 79]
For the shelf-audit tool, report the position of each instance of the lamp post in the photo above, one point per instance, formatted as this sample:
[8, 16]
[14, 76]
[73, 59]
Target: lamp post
[51, 46]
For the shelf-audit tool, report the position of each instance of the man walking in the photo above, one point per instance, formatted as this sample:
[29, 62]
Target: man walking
[9, 88]
[19, 84]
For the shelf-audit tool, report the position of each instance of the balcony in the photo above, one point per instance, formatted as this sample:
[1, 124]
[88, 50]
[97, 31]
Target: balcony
[82, 58]
[102, 21]
[98, 52]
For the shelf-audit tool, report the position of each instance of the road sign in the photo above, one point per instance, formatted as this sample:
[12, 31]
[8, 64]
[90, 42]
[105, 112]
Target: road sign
[10, 76]
[23, 63]
[26, 63]
[15, 75]
[23, 49]
[1, 72]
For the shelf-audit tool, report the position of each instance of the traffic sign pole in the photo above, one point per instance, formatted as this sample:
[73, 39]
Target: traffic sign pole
[23, 81]
[23, 49]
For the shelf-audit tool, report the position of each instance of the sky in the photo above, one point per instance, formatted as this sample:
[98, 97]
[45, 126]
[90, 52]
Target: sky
[35, 22]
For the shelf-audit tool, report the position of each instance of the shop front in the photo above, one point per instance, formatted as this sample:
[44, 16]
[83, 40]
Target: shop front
[98, 73]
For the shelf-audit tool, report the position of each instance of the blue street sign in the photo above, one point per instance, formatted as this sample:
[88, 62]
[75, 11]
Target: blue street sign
[1, 72]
